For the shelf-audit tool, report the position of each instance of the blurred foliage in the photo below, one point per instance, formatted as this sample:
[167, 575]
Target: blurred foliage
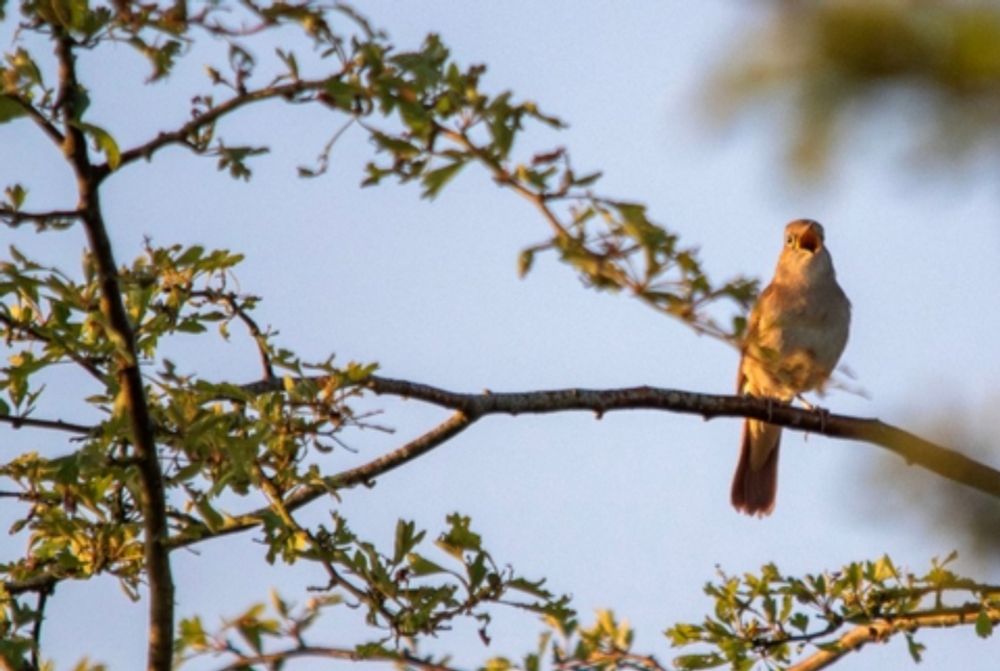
[834, 63]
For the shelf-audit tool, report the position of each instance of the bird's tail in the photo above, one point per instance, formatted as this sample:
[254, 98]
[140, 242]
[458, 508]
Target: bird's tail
[755, 484]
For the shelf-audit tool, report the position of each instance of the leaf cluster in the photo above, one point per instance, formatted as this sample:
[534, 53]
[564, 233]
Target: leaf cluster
[405, 594]
[770, 618]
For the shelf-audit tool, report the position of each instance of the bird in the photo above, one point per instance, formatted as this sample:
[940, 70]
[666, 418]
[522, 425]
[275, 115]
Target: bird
[795, 335]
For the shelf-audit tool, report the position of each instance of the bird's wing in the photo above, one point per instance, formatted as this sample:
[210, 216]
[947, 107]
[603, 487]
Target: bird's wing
[752, 332]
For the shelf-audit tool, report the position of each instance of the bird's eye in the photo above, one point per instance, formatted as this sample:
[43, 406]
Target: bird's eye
[789, 239]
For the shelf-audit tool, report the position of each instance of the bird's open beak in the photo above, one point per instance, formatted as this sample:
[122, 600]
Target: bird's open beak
[810, 240]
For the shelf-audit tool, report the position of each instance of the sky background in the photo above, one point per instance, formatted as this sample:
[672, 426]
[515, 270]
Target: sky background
[631, 511]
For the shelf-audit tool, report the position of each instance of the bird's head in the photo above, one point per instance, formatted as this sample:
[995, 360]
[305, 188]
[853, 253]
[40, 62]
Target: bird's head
[805, 235]
[805, 252]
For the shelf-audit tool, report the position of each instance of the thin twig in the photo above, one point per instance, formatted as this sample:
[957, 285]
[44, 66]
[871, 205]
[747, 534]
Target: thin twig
[255, 331]
[47, 127]
[36, 630]
[405, 658]
[17, 217]
[56, 424]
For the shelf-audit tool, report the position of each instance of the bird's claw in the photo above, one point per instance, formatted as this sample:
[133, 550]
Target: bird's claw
[823, 413]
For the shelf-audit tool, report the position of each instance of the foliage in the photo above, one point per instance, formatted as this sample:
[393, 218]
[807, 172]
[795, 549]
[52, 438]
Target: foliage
[770, 618]
[405, 596]
[165, 459]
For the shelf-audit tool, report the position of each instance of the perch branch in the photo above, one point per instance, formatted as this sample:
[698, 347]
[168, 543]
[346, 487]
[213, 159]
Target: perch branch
[915, 450]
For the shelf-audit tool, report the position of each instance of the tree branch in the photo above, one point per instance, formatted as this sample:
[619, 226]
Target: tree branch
[36, 630]
[471, 407]
[333, 653]
[37, 583]
[605, 266]
[56, 424]
[17, 217]
[236, 310]
[212, 115]
[152, 495]
[882, 628]
[915, 450]
[38, 335]
[47, 127]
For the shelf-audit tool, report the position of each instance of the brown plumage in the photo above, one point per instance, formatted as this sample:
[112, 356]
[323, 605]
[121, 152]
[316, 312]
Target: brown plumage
[797, 332]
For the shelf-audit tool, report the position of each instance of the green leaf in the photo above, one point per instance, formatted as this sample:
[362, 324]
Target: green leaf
[288, 58]
[984, 624]
[339, 93]
[406, 540]
[16, 195]
[699, 661]
[533, 588]
[104, 142]
[915, 649]
[587, 180]
[459, 537]
[398, 147]
[213, 520]
[192, 634]
[435, 180]
[476, 570]
[524, 262]
[421, 566]
[10, 109]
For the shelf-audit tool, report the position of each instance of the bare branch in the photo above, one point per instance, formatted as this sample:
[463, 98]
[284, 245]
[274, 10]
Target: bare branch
[259, 337]
[404, 658]
[37, 583]
[366, 473]
[17, 217]
[914, 449]
[47, 127]
[56, 424]
[36, 630]
[882, 628]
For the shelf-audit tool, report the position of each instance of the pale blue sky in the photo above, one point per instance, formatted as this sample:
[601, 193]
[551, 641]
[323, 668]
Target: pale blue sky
[632, 511]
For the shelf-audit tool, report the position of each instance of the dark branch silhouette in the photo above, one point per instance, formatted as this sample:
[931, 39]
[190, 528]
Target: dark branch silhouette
[936, 458]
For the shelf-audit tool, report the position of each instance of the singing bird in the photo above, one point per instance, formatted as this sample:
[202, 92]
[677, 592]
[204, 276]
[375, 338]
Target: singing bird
[796, 334]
